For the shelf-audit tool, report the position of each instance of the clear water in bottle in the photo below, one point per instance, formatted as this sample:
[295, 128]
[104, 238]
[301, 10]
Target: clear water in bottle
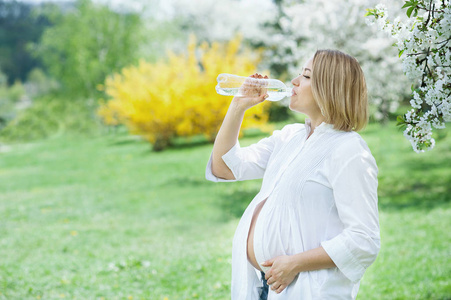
[234, 85]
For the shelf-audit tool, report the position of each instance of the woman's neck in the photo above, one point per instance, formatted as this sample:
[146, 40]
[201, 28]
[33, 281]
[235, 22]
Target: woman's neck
[315, 122]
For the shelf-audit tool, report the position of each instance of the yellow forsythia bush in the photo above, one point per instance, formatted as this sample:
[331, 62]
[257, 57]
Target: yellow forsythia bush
[177, 97]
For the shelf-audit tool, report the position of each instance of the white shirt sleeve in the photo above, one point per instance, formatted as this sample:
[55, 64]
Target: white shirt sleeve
[249, 162]
[208, 172]
[354, 184]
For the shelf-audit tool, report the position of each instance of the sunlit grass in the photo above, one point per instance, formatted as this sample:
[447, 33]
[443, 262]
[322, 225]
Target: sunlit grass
[107, 218]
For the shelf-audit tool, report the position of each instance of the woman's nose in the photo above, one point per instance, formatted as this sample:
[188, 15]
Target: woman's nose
[294, 81]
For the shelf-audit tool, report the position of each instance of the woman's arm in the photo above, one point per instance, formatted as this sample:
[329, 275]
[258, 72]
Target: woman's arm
[226, 139]
[229, 131]
[285, 268]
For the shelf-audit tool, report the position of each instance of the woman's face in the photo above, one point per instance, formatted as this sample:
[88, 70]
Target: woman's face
[302, 97]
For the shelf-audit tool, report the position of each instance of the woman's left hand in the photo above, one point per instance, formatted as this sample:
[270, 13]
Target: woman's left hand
[281, 274]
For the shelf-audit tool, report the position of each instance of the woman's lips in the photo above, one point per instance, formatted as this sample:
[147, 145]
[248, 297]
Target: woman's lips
[294, 93]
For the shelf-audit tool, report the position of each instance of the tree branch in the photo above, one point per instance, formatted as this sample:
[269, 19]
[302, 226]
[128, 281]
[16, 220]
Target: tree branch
[444, 45]
[431, 10]
[444, 41]
[415, 54]
[425, 67]
[429, 69]
[429, 14]
[437, 11]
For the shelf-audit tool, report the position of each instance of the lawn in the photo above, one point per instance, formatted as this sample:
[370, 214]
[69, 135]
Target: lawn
[106, 218]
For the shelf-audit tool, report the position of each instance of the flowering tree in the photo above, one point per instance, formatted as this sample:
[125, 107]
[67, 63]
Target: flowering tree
[303, 27]
[212, 20]
[424, 46]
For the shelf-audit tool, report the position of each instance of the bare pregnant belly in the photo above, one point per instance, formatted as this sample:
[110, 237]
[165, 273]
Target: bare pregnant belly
[250, 237]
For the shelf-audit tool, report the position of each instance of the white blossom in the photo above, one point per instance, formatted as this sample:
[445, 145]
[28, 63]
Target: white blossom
[411, 69]
[425, 45]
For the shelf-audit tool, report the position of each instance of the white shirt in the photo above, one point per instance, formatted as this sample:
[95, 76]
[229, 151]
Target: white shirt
[320, 191]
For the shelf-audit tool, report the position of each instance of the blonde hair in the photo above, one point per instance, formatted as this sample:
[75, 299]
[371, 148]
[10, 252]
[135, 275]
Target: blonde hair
[339, 89]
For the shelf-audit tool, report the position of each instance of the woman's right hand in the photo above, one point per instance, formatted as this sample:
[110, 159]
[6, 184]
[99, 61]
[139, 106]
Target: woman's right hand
[253, 93]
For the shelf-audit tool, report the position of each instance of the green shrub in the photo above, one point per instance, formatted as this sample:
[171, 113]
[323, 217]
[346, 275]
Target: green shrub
[9, 97]
[51, 116]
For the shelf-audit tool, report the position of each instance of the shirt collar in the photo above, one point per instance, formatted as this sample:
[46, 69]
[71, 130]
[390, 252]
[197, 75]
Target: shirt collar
[321, 128]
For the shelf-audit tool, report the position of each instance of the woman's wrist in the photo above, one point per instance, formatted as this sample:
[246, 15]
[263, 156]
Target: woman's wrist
[297, 263]
[237, 108]
[243, 103]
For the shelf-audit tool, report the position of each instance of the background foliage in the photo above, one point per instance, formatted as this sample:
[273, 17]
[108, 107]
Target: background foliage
[92, 40]
[89, 42]
[20, 24]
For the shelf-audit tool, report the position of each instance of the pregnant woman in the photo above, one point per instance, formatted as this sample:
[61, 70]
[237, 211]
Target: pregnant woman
[313, 229]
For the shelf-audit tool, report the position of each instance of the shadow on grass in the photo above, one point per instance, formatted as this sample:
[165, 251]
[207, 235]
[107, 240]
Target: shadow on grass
[186, 143]
[233, 204]
[185, 181]
[201, 140]
[123, 142]
[415, 197]
[123, 138]
[423, 183]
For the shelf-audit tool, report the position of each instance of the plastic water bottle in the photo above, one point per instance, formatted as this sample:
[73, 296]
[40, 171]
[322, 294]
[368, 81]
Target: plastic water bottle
[234, 85]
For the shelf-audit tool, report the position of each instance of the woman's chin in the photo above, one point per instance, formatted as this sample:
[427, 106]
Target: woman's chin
[292, 106]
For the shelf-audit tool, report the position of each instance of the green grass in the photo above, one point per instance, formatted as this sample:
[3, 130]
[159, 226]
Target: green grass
[106, 218]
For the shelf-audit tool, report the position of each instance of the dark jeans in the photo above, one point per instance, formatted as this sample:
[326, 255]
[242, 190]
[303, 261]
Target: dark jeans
[264, 289]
